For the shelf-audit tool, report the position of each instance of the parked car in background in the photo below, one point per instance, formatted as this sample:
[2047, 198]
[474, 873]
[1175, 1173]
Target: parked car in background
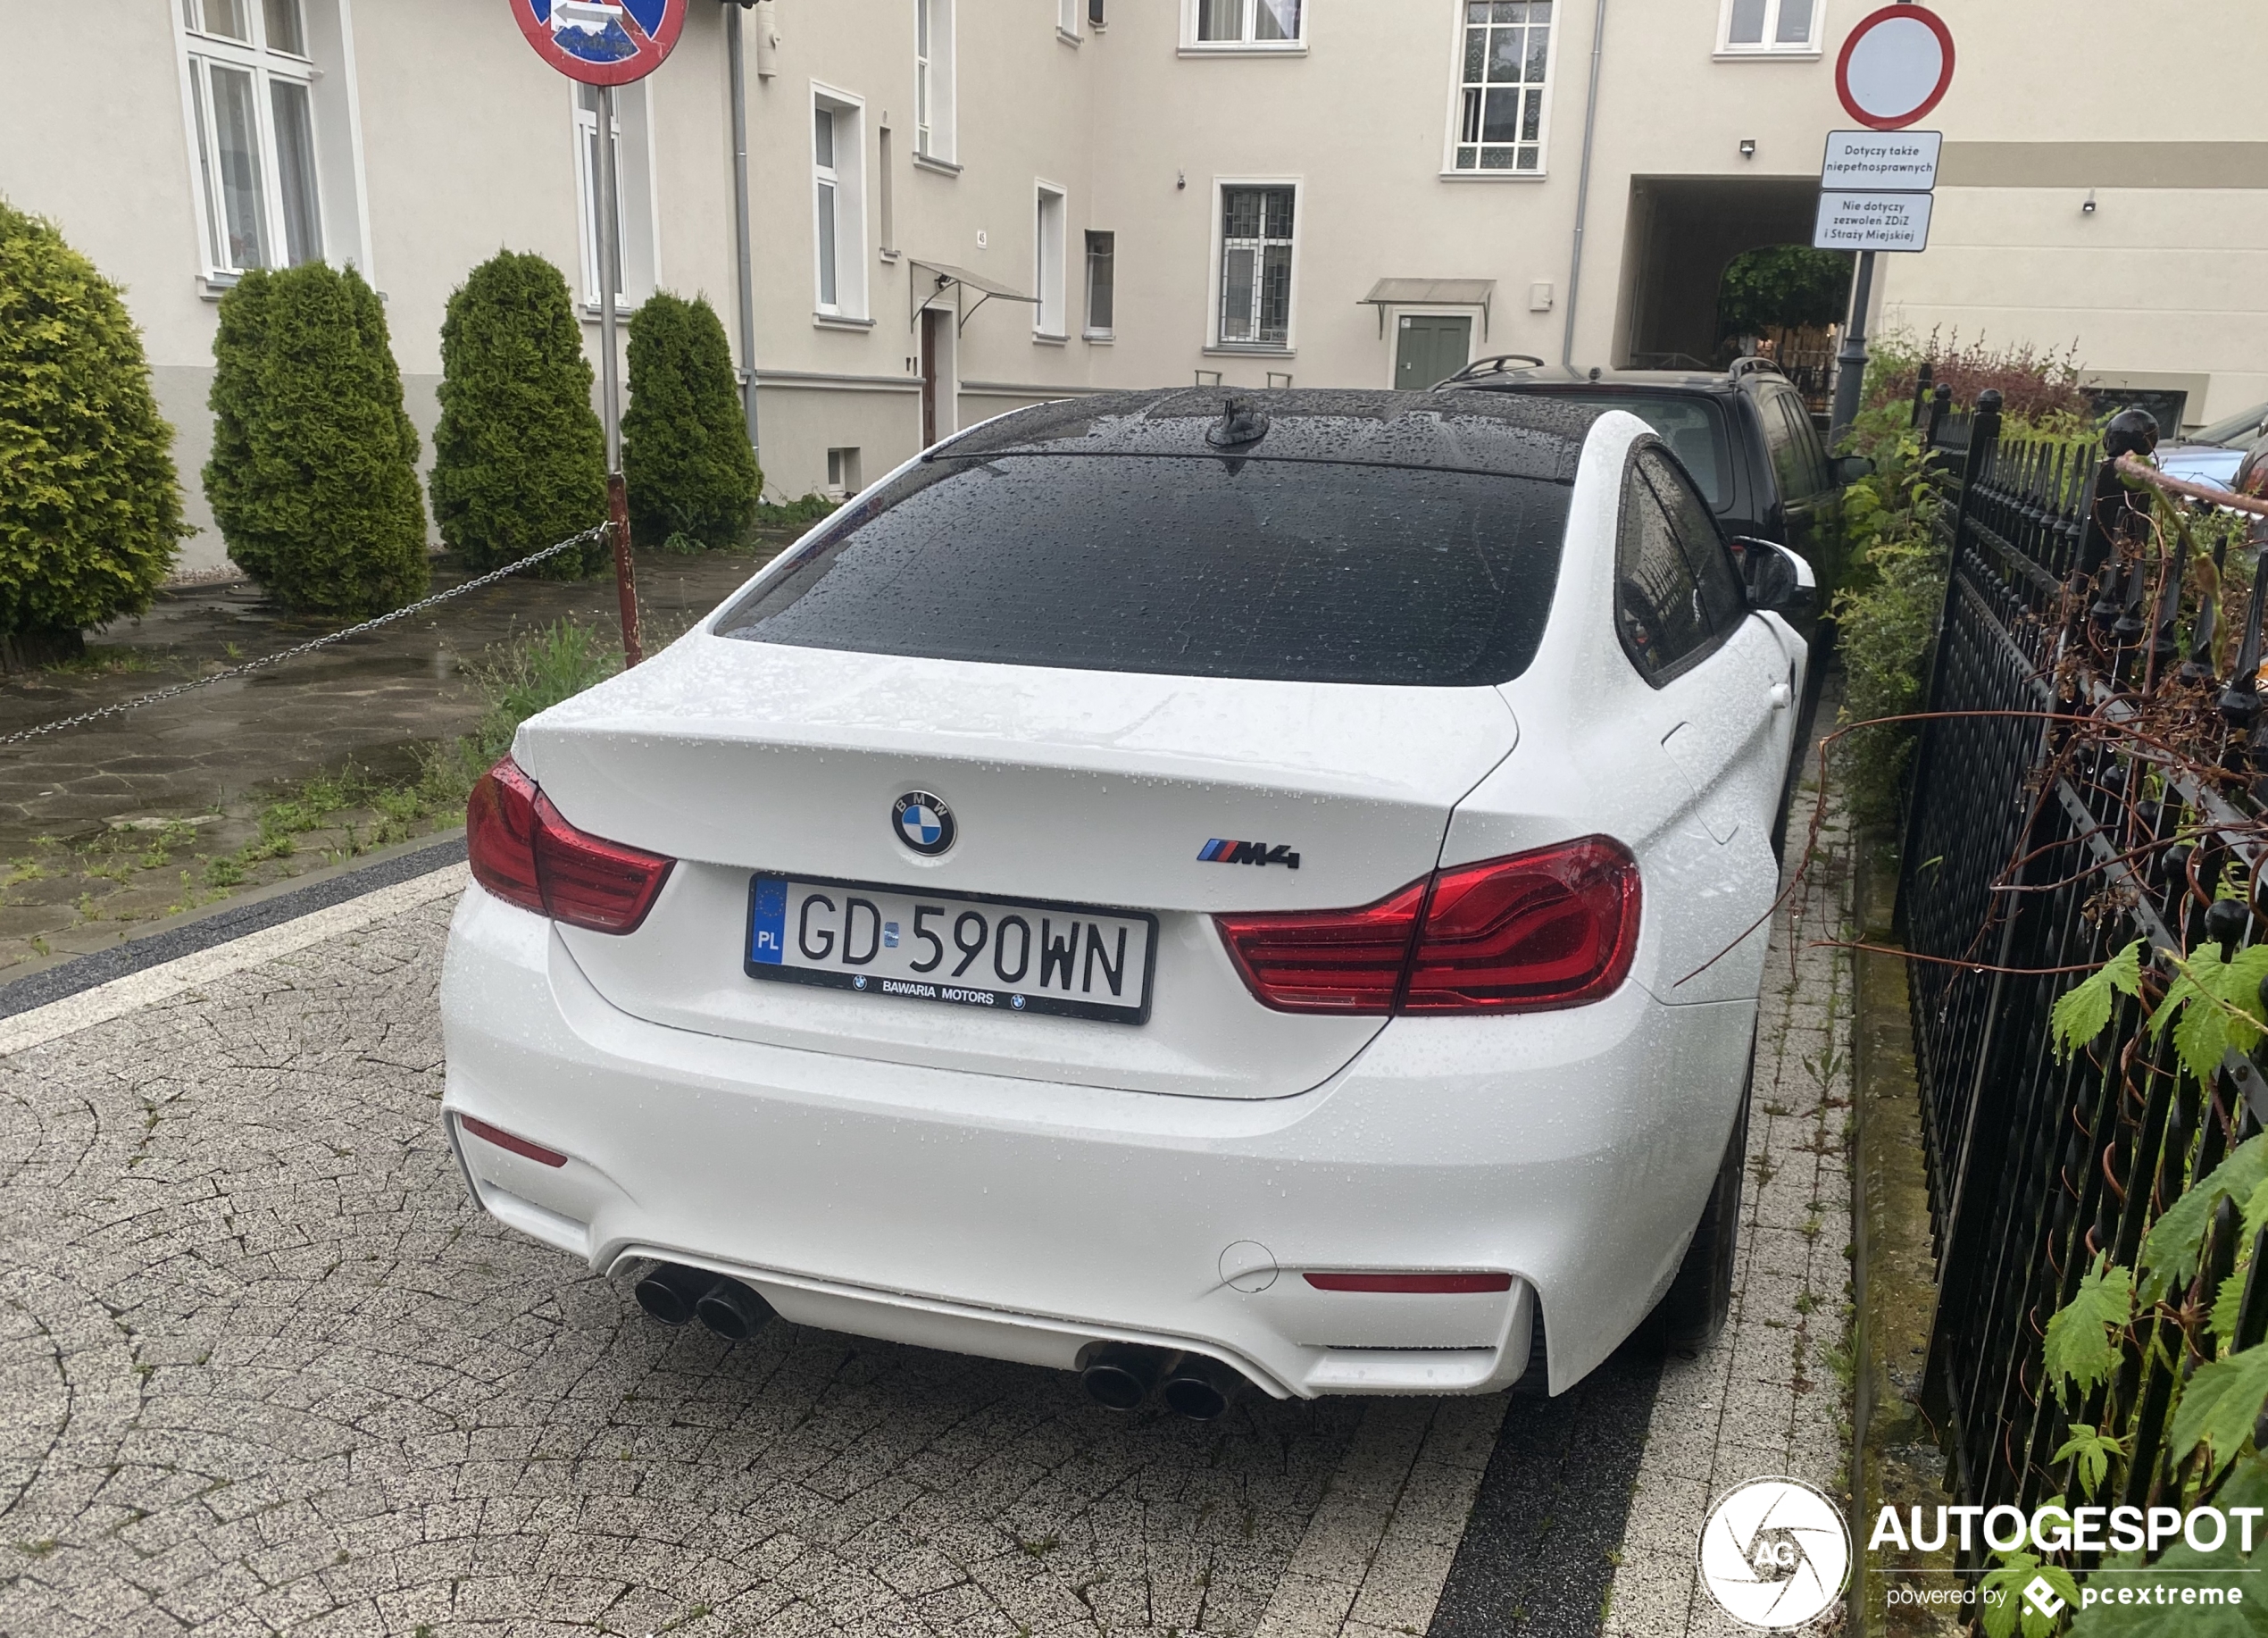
[1744, 435]
[1195, 889]
[2212, 454]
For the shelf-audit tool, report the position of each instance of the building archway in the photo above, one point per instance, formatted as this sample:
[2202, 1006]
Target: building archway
[1682, 233]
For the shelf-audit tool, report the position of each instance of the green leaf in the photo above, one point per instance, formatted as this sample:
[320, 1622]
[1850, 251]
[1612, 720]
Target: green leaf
[2084, 1011]
[2079, 1350]
[2220, 1405]
[2002, 1591]
[2217, 1004]
[2093, 1451]
[2176, 1241]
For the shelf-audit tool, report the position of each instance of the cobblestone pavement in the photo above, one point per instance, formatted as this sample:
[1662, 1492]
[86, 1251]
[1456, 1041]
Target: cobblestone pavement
[262, 1368]
[1773, 1397]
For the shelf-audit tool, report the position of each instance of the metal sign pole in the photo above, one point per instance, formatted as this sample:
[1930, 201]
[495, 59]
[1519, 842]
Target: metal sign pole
[1850, 363]
[610, 239]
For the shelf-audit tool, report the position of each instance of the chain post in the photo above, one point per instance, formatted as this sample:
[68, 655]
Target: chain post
[618, 530]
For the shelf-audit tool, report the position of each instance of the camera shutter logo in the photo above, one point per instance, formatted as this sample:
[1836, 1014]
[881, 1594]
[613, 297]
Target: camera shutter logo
[1775, 1552]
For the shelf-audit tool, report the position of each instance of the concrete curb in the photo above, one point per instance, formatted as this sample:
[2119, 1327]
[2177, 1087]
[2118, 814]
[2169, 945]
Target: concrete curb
[1894, 1459]
[224, 945]
[246, 914]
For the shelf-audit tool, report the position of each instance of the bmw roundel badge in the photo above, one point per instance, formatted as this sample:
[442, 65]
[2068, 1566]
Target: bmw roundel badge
[923, 822]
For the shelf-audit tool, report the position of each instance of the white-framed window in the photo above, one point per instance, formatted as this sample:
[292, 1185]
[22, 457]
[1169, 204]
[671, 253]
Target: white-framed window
[1500, 120]
[1770, 28]
[837, 204]
[1067, 17]
[842, 473]
[1102, 286]
[636, 270]
[933, 80]
[1047, 320]
[1243, 25]
[274, 166]
[1254, 256]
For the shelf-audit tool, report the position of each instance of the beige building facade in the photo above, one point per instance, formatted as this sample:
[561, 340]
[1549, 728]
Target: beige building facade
[960, 206]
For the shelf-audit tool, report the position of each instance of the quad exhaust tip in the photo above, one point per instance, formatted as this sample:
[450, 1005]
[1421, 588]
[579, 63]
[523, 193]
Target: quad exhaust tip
[677, 1295]
[1123, 1376]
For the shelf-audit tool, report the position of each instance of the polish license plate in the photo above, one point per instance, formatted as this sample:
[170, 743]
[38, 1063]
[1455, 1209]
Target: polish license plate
[1009, 956]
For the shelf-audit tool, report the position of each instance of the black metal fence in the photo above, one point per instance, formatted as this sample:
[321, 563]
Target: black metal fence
[2046, 831]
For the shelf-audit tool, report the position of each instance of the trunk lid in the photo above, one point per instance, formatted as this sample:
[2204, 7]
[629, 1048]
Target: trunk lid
[1083, 789]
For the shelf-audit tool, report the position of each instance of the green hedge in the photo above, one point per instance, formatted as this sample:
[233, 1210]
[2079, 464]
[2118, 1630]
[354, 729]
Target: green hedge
[313, 474]
[90, 508]
[693, 478]
[520, 460]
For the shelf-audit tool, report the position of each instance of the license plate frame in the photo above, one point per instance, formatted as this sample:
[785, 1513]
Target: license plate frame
[940, 990]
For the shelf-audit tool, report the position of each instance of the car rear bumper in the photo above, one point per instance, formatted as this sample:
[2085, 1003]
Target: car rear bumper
[1026, 1219]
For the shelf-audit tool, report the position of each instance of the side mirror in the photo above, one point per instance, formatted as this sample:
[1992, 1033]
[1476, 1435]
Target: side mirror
[1777, 579]
[1850, 468]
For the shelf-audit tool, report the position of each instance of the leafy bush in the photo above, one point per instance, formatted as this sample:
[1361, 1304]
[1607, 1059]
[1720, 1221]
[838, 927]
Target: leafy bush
[1886, 620]
[90, 509]
[2035, 387]
[313, 475]
[1780, 286]
[692, 476]
[519, 457]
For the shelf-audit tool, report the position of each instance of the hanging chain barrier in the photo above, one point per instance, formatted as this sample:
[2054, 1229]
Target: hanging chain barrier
[595, 532]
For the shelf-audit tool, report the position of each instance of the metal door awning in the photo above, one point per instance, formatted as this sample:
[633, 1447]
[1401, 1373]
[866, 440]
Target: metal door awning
[944, 276]
[1431, 292]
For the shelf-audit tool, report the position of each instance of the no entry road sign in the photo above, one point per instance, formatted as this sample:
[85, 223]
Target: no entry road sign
[602, 41]
[1895, 66]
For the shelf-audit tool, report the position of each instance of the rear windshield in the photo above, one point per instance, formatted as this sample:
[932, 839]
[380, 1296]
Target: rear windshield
[1692, 427]
[1293, 571]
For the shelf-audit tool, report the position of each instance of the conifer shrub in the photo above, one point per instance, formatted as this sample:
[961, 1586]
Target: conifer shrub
[520, 459]
[314, 477]
[90, 509]
[693, 478]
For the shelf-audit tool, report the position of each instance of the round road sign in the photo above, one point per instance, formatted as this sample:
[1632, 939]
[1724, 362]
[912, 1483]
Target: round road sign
[1895, 67]
[601, 42]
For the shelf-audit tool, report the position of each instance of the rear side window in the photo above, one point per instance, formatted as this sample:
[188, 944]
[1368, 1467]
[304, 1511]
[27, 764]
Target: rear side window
[1295, 571]
[1722, 598]
[1658, 608]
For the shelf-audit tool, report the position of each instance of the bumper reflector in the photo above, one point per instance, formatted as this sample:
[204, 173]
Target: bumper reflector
[1437, 1283]
[536, 1152]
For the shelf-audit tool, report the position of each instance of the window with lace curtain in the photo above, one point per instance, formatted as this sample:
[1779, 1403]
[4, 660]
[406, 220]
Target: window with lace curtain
[253, 123]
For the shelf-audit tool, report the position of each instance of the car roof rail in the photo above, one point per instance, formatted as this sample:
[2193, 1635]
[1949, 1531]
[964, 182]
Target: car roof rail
[1495, 363]
[1752, 363]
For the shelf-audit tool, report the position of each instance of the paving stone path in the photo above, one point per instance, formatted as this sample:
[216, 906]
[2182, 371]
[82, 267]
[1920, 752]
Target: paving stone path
[262, 1368]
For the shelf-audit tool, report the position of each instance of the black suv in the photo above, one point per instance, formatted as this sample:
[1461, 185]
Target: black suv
[1746, 436]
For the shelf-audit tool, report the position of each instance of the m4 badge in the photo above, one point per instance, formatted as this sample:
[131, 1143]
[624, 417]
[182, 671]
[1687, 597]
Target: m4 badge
[1220, 852]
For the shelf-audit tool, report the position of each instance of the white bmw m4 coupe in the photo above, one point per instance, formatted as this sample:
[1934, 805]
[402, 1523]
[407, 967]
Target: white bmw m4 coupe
[1204, 891]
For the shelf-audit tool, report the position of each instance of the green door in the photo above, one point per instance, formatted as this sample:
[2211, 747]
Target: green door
[1431, 348]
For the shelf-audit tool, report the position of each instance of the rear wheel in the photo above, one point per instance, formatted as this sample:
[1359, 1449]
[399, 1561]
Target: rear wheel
[1692, 1312]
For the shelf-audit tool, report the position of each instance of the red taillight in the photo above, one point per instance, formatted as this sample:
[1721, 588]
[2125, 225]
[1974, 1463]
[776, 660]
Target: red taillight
[1328, 961]
[1553, 928]
[525, 853]
[1440, 1284]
